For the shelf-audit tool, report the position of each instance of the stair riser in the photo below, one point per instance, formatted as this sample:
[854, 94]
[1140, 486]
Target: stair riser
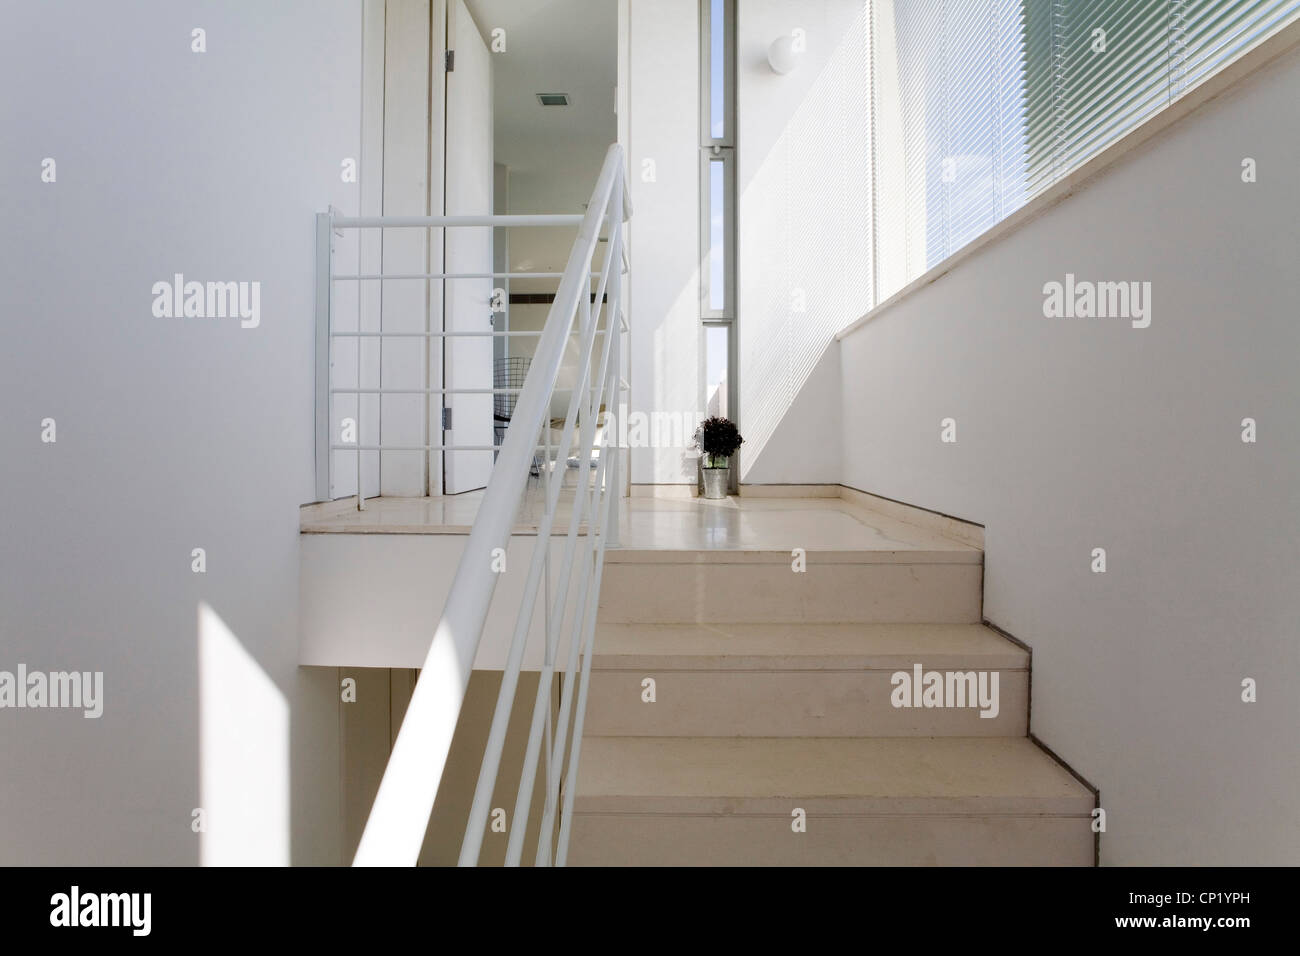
[813, 703]
[907, 840]
[920, 593]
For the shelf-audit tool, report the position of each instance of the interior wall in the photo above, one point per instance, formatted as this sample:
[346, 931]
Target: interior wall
[467, 360]
[662, 143]
[367, 730]
[531, 317]
[413, 181]
[172, 434]
[1074, 434]
[446, 831]
[554, 153]
[804, 229]
[369, 727]
[500, 263]
[358, 305]
[373, 600]
[804, 447]
[527, 317]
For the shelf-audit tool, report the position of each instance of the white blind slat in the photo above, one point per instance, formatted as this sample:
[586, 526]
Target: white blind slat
[1001, 98]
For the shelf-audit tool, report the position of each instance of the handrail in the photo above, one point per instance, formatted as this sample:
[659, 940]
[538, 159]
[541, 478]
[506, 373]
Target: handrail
[490, 219]
[399, 817]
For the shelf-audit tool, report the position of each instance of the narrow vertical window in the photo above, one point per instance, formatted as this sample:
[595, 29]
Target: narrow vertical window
[718, 306]
[717, 257]
[717, 159]
[717, 24]
[717, 358]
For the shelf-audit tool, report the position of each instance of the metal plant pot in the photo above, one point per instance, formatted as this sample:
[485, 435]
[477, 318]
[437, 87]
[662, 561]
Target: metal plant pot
[715, 482]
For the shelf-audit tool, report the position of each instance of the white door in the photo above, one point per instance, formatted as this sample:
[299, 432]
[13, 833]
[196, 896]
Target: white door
[467, 361]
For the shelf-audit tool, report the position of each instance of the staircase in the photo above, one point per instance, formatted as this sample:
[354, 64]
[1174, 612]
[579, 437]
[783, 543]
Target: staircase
[772, 738]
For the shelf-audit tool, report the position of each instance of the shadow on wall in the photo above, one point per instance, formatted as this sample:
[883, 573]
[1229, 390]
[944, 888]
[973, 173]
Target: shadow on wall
[805, 445]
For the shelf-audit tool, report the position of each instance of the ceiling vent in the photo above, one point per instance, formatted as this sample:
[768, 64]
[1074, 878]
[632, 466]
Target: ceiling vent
[553, 99]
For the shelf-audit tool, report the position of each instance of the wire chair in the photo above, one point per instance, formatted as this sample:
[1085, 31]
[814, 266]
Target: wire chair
[508, 373]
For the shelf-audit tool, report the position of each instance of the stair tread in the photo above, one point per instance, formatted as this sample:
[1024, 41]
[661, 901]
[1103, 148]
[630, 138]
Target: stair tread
[825, 774]
[955, 554]
[803, 647]
[755, 523]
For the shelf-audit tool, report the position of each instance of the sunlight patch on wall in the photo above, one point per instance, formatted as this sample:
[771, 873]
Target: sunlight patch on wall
[243, 754]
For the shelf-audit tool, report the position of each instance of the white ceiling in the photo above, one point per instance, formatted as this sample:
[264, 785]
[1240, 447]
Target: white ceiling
[552, 46]
[553, 153]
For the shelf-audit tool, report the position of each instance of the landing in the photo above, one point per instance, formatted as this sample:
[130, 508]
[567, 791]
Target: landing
[748, 522]
[756, 523]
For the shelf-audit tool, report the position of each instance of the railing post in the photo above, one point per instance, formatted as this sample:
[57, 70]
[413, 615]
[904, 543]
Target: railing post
[400, 814]
[594, 494]
[324, 298]
[614, 323]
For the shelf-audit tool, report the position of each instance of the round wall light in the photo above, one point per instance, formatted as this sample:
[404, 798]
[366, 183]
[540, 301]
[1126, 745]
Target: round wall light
[783, 54]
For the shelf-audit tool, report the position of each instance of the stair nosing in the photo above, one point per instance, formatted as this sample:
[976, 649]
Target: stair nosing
[994, 652]
[917, 762]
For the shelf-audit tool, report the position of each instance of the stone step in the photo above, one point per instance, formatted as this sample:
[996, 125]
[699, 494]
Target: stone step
[889, 801]
[940, 586]
[788, 680]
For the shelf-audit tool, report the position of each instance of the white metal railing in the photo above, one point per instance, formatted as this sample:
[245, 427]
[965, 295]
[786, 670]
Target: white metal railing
[396, 826]
[330, 224]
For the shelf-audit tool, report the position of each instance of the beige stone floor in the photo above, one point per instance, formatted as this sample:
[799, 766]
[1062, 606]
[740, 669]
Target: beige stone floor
[741, 522]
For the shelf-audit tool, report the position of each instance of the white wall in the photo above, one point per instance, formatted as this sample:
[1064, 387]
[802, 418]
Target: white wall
[663, 128]
[415, 37]
[803, 239]
[804, 230]
[373, 600]
[532, 317]
[1075, 434]
[173, 434]
[359, 305]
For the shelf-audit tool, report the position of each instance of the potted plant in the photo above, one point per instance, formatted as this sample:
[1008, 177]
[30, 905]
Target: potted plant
[717, 439]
